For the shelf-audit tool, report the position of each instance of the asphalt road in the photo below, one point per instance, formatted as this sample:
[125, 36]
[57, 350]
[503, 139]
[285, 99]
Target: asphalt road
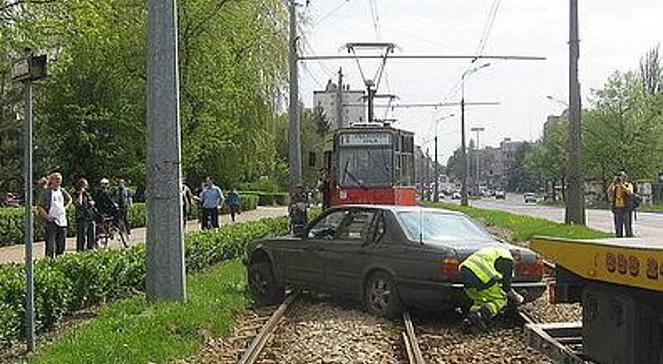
[647, 225]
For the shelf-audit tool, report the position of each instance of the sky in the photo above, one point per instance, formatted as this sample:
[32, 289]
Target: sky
[614, 35]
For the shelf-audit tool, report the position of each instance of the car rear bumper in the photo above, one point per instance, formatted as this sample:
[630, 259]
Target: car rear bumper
[426, 294]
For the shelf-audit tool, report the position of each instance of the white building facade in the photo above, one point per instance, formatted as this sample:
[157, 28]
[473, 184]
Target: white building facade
[353, 109]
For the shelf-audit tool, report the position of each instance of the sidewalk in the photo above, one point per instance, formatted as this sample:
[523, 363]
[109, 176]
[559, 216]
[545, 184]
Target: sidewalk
[16, 253]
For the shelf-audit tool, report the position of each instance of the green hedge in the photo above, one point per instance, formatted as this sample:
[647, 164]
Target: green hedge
[11, 220]
[75, 281]
[268, 198]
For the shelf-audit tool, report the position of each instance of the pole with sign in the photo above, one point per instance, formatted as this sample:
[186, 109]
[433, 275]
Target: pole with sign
[27, 70]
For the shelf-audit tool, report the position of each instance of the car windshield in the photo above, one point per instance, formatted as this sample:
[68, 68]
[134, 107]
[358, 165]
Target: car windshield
[439, 226]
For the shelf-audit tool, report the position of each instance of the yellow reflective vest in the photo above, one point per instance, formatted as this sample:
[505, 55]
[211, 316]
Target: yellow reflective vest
[482, 263]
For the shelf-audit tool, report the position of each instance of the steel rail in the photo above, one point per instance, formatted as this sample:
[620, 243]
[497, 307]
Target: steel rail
[411, 343]
[251, 354]
[540, 339]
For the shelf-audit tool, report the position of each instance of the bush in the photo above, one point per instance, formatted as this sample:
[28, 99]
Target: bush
[73, 282]
[268, 198]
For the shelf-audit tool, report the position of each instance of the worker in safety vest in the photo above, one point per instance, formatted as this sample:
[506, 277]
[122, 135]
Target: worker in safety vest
[487, 276]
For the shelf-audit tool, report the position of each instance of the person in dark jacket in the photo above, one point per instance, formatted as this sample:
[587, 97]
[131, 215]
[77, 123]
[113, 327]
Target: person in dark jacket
[85, 217]
[234, 203]
[52, 208]
[123, 198]
[298, 211]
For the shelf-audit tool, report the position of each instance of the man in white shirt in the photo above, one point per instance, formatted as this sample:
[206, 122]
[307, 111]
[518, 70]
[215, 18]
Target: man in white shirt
[52, 207]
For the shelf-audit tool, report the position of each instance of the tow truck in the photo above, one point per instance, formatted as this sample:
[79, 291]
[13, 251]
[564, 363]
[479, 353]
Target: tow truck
[619, 283]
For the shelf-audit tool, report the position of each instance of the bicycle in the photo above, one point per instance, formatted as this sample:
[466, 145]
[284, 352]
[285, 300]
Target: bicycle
[110, 229]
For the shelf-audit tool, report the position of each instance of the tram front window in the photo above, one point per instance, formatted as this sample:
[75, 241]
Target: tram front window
[365, 167]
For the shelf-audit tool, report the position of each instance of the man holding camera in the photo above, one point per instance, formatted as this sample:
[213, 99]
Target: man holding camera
[620, 194]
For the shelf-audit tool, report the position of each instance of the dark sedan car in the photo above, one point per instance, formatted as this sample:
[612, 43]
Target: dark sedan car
[387, 256]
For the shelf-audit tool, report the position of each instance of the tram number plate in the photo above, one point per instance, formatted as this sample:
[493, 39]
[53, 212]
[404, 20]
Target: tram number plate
[365, 139]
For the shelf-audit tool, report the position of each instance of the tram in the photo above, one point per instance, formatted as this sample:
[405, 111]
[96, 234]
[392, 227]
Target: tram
[371, 164]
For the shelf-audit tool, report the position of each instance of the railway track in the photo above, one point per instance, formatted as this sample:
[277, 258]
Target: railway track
[307, 329]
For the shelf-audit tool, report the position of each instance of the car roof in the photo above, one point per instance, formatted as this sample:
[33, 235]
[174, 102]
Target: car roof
[399, 208]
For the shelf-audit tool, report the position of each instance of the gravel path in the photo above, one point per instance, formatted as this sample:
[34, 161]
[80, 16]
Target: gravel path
[313, 331]
[442, 341]
[542, 310]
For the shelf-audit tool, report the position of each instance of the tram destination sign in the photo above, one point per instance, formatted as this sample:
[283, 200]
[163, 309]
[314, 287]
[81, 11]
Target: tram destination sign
[365, 139]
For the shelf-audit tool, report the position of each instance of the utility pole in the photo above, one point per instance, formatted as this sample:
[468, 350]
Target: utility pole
[371, 99]
[427, 174]
[436, 197]
[478, 151]
[28, 237]
[575, 201]
[166, 279]
[463, 148]
[339, 99]
[294, 128]
[29, 69]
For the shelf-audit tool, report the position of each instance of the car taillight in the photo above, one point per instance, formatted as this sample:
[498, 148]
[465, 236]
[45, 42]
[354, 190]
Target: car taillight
[533, 270]
[449, 267]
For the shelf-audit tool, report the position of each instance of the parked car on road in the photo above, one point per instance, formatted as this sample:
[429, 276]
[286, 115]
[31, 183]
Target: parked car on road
[500, 195]
[455, 196]
[530, 198]
[389, 257]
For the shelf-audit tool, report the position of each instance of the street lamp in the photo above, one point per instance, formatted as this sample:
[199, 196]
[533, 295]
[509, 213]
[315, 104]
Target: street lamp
[436, 196]
[551, 98]
[478, 176]
[463, 191]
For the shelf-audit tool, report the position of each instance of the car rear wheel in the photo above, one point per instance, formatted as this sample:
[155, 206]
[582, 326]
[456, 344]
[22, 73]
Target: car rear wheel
[263, 285]
[381, 297]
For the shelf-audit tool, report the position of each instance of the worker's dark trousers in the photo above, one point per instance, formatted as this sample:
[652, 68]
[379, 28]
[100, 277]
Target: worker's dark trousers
[623, 222]
[210, 218]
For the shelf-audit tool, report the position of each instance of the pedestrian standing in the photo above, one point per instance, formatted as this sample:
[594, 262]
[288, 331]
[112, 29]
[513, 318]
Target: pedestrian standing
[324, 186]
[187, 201]
[211, 198]
[298, 211]
[52, 208]
[620, 194]
[234, 203]
[85, 217]
[123, 198]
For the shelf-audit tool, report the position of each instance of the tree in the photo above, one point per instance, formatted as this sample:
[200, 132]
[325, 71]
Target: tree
[651, 71]
[521, 178]
[623, 131]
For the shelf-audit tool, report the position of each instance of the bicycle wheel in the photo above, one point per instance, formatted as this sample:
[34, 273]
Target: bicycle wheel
[122, 234]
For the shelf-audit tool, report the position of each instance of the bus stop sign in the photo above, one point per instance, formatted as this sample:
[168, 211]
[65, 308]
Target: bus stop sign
[30, 69]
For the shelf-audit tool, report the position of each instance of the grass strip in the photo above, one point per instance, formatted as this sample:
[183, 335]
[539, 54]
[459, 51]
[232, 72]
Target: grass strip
[524, 227]
[135, 331]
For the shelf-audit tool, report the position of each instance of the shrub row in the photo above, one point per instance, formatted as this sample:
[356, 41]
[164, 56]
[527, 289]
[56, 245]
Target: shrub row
[75, 281]
[268, 198]
[11, 220]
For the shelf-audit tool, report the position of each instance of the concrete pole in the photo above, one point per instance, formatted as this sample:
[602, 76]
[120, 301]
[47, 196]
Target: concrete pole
[166, 279]
[28, 235]
[294, 130]
[575, 201]
[463, 151]
[436, 197]
[427, 174]
[339, 100]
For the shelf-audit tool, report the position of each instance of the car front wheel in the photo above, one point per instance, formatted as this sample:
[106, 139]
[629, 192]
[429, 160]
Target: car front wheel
[263, 285]
[381, 297]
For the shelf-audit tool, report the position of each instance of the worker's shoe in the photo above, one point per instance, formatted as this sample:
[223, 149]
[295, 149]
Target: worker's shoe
[515, 299]
[474, 323]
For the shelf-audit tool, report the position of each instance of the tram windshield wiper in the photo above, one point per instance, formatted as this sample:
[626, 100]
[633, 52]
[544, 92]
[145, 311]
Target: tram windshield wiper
[347, 173]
